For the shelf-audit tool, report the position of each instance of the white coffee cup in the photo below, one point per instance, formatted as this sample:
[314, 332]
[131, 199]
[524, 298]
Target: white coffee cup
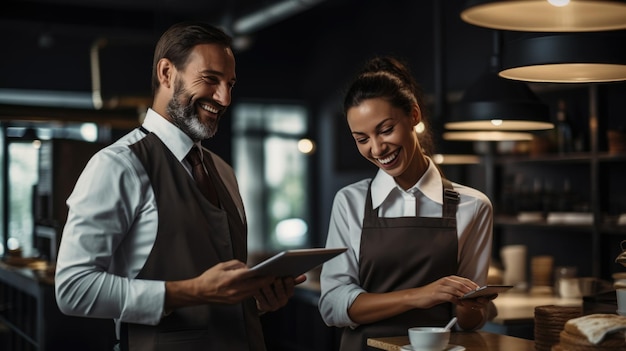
[569, 288]
[429, 338]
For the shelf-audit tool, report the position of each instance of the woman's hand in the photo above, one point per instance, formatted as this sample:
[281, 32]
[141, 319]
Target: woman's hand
[474, 313]
[373, 307]
[471, 313]
[472, 318]
[446, 289]
[477, 303]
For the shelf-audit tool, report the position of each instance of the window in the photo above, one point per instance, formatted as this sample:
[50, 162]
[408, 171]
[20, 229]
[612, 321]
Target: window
[24, 154]
[22, 177]
[273, 174]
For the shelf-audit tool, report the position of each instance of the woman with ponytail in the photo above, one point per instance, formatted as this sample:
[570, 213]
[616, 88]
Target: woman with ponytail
[417, 241]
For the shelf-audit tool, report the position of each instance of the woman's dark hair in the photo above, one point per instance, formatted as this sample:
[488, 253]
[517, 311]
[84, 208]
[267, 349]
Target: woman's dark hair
[389, 78]
[178, 41]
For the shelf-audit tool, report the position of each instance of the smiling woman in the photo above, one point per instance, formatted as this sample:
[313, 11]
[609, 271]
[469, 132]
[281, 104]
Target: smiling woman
[410, 213]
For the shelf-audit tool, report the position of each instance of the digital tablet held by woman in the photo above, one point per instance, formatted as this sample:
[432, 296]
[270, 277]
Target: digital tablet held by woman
[487, 290]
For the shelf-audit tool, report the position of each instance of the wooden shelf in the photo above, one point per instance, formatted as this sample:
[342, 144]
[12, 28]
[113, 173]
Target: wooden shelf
[576, 157]
[510, 221]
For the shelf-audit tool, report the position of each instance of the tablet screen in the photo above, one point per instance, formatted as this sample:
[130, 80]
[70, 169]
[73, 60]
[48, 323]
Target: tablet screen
[295, 262]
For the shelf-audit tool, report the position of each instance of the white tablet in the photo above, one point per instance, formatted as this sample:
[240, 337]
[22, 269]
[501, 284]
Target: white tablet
[295, 262]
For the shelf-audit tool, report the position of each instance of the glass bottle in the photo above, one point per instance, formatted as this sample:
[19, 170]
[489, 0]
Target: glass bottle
[563, 129]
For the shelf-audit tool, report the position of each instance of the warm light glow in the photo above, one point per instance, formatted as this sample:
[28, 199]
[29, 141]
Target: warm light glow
[89, 131]
[449, 159]
[438, 158]
[306, 146]
[558, 3]
[13, 243]
[568, 73]
[544, 16]
[419, 128]
[505, 125]
[291, 231]
[483, 135]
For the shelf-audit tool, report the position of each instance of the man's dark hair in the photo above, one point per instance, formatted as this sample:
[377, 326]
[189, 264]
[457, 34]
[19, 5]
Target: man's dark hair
[178, 41]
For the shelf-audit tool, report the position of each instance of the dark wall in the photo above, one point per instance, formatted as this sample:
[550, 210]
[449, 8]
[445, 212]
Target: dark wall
[309, 57]
[312, 56]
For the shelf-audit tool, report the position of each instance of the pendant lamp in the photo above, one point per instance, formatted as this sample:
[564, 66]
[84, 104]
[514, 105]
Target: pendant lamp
[547, 15]
[567, 58]
[486, 135]
[586, 45]
[493, 103]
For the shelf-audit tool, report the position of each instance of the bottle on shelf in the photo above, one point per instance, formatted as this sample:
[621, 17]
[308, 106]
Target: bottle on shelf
[564, 137]
[565, 198]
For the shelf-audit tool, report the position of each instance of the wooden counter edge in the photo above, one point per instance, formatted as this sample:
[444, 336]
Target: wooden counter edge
[475, 341]
[386, 343]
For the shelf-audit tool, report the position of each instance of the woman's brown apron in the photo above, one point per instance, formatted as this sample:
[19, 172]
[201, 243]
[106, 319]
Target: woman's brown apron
[403, 253]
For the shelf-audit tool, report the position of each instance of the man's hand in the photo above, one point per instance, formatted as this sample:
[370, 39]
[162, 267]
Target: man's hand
[225, 283]
[277, 294]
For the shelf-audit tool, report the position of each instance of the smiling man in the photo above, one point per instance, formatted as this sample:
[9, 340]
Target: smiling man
[144, 244]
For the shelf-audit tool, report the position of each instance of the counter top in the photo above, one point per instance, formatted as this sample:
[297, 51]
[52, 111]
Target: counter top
[472, 341]
[519, 308]
[25, 274]
[513, 307]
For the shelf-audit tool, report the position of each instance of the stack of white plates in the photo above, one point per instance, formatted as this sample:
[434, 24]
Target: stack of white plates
[621, 220]
[570, 218]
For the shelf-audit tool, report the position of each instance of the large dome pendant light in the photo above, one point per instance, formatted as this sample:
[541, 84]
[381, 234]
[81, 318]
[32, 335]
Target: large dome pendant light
[567, 58]
[496, 104]
[547, 15]
[571, 53]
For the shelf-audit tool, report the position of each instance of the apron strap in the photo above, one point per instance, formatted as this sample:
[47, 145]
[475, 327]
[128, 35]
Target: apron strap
[450, 199]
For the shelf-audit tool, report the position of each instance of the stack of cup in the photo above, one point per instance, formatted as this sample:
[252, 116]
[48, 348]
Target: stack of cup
[549, 322]
[541, 268]
[514, 262]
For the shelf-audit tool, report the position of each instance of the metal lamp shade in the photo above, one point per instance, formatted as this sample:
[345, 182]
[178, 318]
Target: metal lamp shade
[494, 103]
[543, 16]
[566, 58]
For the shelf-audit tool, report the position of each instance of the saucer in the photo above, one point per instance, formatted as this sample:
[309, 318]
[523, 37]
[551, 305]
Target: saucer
[450, 347]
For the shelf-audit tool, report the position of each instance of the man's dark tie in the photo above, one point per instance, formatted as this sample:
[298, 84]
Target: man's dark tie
[200, 176]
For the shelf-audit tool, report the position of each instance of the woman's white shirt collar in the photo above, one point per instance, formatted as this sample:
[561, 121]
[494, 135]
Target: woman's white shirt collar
[429, 185]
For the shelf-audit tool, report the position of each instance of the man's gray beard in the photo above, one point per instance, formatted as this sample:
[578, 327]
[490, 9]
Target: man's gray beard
[186, 118]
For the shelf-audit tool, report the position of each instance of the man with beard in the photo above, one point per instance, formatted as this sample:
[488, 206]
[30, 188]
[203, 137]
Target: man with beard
[145, 245]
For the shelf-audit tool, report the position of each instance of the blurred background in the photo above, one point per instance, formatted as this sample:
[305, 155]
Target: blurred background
[76, 76]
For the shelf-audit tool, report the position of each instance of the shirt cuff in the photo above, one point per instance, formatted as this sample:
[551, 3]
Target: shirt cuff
[145, 303]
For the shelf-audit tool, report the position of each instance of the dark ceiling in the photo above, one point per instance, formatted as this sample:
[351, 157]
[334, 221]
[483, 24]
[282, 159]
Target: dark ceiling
[307, 54]
[132, 17]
